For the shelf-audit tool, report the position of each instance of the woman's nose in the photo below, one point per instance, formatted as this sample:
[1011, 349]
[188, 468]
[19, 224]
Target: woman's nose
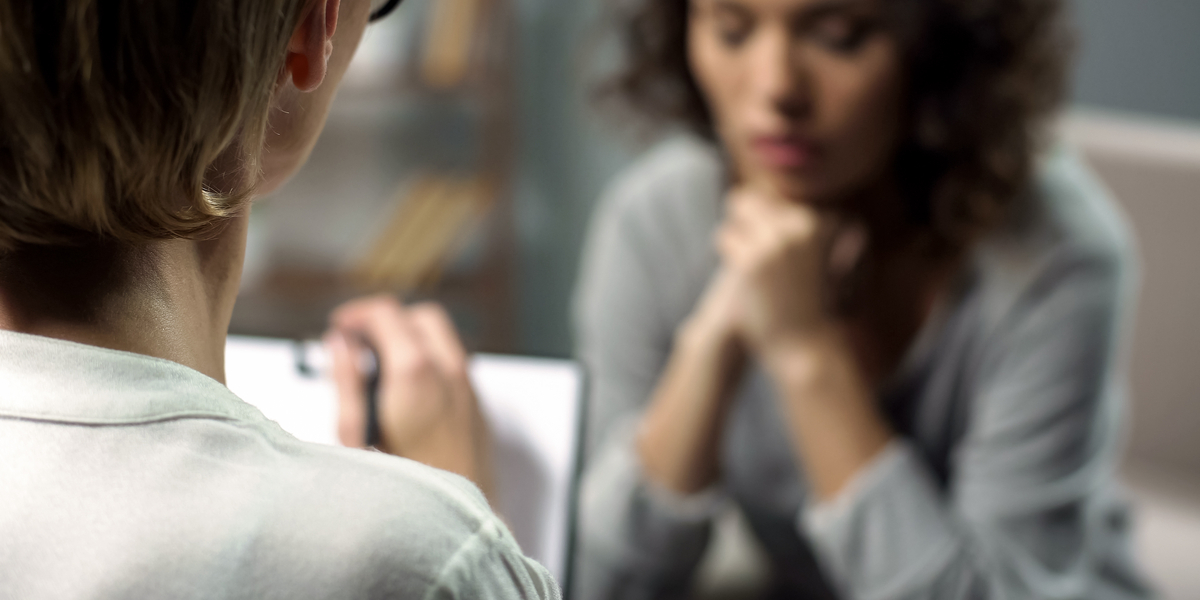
[779, 78]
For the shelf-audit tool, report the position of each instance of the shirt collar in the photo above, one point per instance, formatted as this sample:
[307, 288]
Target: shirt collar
[55, 380]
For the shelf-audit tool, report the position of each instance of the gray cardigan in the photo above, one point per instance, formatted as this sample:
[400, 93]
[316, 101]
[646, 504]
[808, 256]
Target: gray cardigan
[1008, 409]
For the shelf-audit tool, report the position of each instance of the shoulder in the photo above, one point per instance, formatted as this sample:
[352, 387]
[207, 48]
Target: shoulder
[1068, 213]
[1069, 238]
[1049, 316]
[654, 223]
[679, 180]
[376, 490]
[390, 522]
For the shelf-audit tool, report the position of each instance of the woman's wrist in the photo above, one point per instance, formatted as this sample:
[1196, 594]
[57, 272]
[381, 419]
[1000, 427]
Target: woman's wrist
[835, 424]
[707, 338]
[680, 431]
[808, 360]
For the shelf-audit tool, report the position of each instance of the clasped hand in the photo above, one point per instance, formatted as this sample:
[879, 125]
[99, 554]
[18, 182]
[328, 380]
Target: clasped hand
[777, 259]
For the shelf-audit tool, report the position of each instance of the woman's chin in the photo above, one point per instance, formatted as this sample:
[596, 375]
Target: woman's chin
[801, 189]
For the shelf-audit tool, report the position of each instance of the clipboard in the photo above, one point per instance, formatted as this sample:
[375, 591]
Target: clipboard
[533, 406]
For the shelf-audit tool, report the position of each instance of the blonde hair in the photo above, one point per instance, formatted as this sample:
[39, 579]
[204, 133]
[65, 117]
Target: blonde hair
[113, 114]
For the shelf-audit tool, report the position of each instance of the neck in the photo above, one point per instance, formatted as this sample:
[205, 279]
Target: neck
[168, 299]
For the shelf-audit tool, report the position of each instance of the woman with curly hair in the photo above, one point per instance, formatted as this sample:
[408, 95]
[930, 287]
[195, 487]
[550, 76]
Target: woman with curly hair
[861, 301]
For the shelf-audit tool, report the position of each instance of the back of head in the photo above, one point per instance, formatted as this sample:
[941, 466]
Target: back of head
[133, 120]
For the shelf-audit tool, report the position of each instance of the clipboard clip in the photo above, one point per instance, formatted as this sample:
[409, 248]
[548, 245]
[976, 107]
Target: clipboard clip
[311, 361]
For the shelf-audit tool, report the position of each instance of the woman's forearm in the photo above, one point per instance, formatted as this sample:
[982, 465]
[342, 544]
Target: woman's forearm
[836, 428]
[679, 440]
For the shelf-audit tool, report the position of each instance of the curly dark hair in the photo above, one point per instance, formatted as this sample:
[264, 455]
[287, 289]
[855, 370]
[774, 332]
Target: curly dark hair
[982, 78]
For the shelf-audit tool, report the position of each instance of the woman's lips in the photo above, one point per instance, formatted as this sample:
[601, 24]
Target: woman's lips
[785, 152]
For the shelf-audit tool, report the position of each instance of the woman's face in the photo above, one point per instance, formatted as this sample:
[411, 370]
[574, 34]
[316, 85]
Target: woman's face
[804, 94]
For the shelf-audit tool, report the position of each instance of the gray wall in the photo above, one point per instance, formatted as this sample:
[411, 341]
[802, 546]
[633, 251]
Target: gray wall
[567, 155]
[1135, 55]
[1139, 55]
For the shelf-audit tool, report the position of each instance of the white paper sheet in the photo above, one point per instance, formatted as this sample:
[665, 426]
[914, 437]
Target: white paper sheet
[532, 406]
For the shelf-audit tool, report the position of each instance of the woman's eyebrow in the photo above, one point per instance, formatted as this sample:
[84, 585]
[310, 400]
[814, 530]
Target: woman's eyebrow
[725, 5]
[823, 8]
[811, 11]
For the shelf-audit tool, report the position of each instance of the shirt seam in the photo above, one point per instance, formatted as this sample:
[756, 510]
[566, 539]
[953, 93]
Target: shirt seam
[480, 539]
[126, 420]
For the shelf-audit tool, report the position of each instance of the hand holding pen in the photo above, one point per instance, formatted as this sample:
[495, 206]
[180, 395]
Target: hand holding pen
[426, 408]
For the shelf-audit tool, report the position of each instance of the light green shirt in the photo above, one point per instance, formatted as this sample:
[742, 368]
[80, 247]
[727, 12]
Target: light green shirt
[124, 476]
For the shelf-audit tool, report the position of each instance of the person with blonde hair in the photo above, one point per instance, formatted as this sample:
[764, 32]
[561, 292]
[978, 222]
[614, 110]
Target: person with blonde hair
[133, 137]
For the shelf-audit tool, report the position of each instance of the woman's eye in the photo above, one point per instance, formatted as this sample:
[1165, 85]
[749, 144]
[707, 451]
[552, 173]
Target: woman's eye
[842, 35]
[733, 36]
[732, 30]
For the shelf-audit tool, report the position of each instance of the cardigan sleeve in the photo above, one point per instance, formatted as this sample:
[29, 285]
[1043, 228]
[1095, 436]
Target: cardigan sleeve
[1016, 518]
[636, 540]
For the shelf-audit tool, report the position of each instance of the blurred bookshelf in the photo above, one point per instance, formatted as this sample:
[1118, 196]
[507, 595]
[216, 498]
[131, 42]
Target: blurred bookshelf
[408, 190]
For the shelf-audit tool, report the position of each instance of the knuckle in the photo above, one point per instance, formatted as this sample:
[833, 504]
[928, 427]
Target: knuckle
[411, 365]
[385, 305]
[345, 312]
[383, 298]
[355, 313]
[432, 314]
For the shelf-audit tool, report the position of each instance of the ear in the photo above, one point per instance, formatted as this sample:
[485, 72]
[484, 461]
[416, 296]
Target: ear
[311, 45]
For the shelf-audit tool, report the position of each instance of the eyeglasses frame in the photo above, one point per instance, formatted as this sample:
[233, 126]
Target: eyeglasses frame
[383, 11]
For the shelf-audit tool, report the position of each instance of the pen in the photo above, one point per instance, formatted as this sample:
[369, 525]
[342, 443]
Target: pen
[371, 389]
